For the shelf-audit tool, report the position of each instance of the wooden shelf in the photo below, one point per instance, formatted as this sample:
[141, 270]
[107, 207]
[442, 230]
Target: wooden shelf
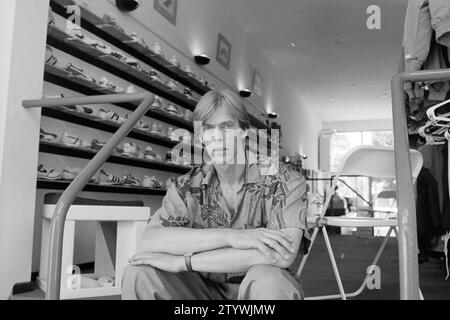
[58, 149]
[64, 79]
[63, 185]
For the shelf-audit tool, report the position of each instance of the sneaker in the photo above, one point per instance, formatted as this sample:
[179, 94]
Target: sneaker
[157, 129]
[173, 60]
[78, 72]
[105, 83]
[107, 179]
[70, 173]
[187, 68]
[173, 110]
[113, 20]
[172, 85]
[188, 93]
[133, 63]
[203, 80]
[119, 56]
[83, 109]
[131, 89]
[153, 74]
[97, 145]
[103, 48]
[50, 59]
[74, 141]
[51, 18]
[157, 103]
[103, 114]
[151, 155]
[131, 150]
[129, 180]
[170, 131]
[151, 182]
[48, 137]
[48, 174]
[138, 40]
[156, 48]
[140, 125]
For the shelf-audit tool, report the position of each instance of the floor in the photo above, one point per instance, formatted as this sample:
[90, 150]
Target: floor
[353, 255]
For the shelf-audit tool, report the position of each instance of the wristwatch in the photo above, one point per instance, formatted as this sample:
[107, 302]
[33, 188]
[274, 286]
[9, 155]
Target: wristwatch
[187, 261]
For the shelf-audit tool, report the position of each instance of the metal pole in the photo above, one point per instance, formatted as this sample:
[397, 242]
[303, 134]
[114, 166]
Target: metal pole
[70, 101]
[69, 195]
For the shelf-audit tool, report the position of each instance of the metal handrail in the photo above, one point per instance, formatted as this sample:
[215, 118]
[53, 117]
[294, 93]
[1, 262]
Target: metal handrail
[407, 235]
[69, 195]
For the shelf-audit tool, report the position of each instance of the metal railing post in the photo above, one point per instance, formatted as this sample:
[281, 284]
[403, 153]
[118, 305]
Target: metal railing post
[69, 195]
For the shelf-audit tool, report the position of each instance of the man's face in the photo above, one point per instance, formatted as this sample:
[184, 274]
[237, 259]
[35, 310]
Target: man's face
[224, 139]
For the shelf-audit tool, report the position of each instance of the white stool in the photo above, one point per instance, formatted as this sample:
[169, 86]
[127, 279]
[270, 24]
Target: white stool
[114, 245]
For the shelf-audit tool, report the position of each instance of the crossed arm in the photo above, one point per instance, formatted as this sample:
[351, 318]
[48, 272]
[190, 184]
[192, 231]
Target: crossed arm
[217, 250]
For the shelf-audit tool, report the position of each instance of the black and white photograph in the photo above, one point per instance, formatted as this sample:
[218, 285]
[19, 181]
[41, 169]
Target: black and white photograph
[224, 155]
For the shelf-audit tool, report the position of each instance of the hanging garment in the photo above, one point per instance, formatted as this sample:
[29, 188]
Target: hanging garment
[446, 202]
[428, 208]
[433, 160]
[422, 18]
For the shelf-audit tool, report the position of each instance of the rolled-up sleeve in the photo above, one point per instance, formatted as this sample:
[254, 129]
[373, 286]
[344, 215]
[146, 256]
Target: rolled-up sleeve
[289, 208]
[173, 212]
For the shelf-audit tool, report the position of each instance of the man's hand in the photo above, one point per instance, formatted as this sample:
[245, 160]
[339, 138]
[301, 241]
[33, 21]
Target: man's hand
[162, 261]
[268, 242]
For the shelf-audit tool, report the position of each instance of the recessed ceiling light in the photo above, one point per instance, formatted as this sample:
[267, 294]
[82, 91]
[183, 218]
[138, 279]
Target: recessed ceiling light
[384, 95]
[353, 85]
[293, 45]
[332, 98]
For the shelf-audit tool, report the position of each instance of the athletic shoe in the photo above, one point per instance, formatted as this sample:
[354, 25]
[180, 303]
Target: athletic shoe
[133, 63]
[48, 174]
[157, 49]
[97, 145]
[119, 56]
[130, 149]
[83, 109]
[107, 179]
[151, 182]
[103, 48]
[188, 70]
[131, 89]
[50, 59]
[48, 137]
[171, 84]
[103, 114]
[153, 74]
[129, 180]
[70, 173]
[112, 20]
[139, 40]
[157, 129]
[78, 72]
[51, 18]
[173, 110]
[157, 103]
[140, 125]
[170, 131]
[151, 155]
[173, 60]
[188, 93]
[72, 141]
[105, 83]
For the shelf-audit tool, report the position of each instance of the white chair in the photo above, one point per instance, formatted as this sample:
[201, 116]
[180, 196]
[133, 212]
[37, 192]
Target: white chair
[361, 161]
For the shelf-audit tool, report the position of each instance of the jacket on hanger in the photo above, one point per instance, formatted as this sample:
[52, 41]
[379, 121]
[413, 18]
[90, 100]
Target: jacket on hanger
[422, 18]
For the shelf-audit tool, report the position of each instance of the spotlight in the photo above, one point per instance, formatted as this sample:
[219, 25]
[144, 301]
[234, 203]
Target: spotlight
[304, 156]
[245, 93]
[202, 59]
[127, 5]
[273, 115]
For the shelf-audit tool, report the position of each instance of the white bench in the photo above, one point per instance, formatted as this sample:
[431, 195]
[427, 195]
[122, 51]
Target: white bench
[119, 230]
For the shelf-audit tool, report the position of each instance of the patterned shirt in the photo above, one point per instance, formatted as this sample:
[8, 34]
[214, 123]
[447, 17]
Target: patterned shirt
[275, 201]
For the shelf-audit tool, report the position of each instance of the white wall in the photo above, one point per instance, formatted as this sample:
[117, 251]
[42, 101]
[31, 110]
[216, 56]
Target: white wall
[362, 125]
[20, 78]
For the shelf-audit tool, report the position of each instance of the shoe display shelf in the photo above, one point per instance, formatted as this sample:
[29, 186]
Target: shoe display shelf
[62, 41]
[124, 42]
[95, 187]
[76, 152]
[64, 79]
[86, 120]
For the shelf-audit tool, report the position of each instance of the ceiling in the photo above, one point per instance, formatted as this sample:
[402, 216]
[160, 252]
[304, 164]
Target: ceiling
[341, 69]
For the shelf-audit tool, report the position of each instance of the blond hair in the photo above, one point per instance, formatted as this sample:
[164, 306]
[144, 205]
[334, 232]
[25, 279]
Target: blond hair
[230, 101]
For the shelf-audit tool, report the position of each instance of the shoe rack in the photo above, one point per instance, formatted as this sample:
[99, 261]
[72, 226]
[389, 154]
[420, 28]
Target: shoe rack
[90, 22]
